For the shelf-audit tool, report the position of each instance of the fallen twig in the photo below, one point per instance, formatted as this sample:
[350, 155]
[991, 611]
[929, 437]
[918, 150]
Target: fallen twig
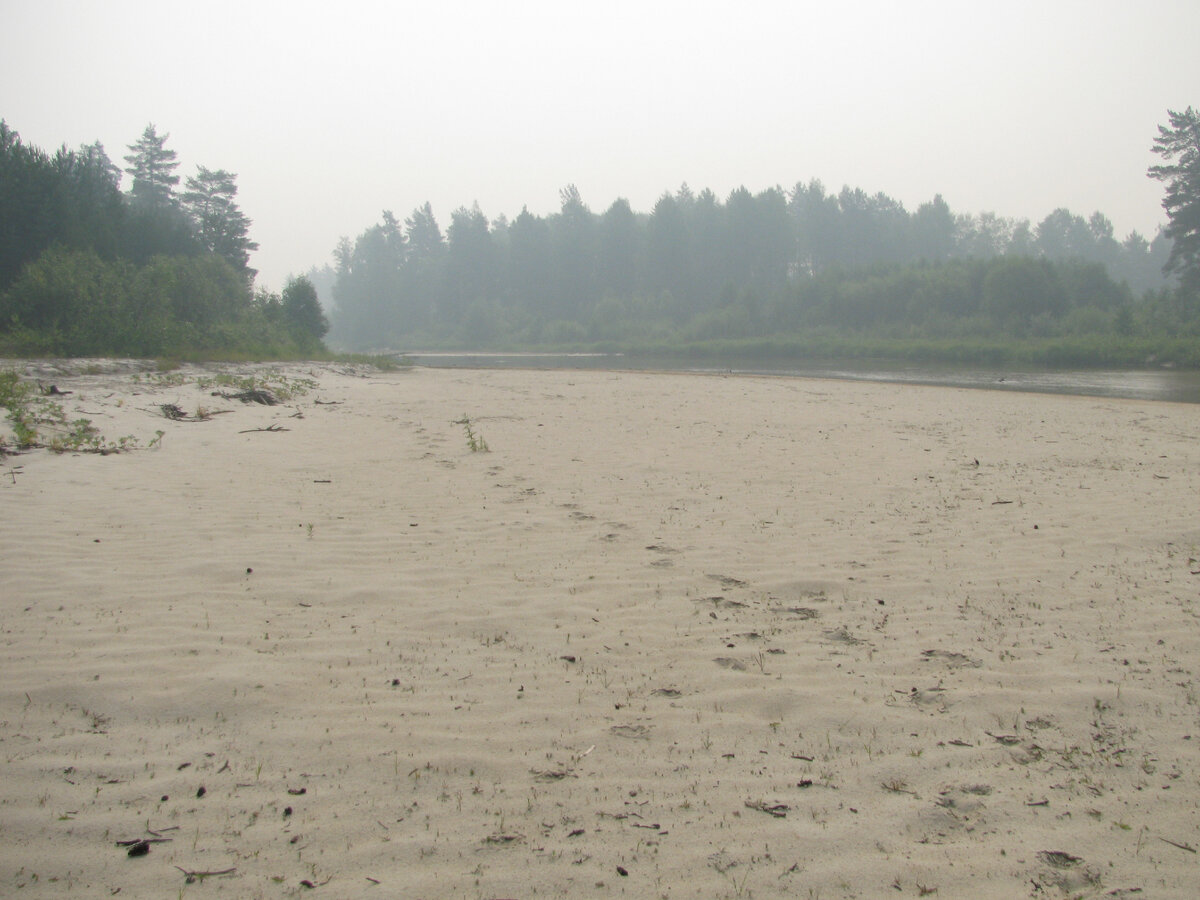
[1188, 847]
[192, 876]
[778, 810]
[268, 428]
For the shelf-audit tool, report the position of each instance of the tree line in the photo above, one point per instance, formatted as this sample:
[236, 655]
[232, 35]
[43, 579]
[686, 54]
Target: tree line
[87, 269]
[804, 261]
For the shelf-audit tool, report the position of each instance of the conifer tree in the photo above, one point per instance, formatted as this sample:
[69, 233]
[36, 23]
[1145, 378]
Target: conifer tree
[1179, 146]
[223, 229]
[152, 167]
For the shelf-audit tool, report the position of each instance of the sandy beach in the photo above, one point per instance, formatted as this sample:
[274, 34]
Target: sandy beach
[669, 635]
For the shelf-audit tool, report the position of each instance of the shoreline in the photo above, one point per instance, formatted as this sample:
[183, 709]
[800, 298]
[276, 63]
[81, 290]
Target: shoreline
[1164, 384]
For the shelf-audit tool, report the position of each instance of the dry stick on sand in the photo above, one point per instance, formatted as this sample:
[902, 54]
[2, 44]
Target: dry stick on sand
[1188, 847]
[192, 876]
[778, 810]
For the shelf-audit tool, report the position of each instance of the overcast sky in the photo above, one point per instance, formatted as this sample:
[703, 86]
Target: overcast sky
[330, 113]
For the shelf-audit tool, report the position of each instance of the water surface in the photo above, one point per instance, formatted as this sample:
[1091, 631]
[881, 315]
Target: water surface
[1180, 386]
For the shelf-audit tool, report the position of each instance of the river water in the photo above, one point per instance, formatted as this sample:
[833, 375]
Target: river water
[1173, 385]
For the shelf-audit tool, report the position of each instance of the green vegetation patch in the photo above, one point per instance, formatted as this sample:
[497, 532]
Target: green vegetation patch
[38, 421]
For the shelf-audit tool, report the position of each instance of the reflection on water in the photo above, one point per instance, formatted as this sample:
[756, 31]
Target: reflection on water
[1137, 384]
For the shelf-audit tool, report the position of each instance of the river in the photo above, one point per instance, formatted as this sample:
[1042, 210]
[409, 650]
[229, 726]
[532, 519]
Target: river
[1172, 385]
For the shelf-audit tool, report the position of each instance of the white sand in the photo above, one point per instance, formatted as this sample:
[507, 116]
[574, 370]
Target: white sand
[673, 636]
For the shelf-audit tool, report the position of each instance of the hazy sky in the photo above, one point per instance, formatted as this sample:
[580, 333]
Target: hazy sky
[330, 113]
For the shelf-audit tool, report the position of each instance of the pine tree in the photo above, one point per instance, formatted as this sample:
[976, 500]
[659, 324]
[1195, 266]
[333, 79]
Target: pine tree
[1179, 145]
[152, 167]
[220, 224]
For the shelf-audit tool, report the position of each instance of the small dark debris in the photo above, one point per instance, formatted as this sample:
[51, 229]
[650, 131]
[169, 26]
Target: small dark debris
[1059, 860]
[141, 848]
[306, 883]
[622, 871]
[802, 612]
[287, 811]
[728, 581]
[503, 838]
[297, 792]
[568, 658]
[164, 798]
[201, 792]
[951, 658]
[255, 395]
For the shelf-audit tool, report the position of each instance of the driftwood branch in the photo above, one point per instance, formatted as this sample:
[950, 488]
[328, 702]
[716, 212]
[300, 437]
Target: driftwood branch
[778, 810]
[254, 395]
